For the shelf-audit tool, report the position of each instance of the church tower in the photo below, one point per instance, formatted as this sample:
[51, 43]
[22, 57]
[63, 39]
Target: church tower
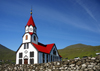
[31, 51]
[30, 31]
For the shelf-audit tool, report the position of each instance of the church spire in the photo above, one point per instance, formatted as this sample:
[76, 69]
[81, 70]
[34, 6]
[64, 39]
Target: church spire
[31, 21]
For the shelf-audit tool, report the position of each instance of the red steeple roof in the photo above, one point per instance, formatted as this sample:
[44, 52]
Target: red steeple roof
[30, 22]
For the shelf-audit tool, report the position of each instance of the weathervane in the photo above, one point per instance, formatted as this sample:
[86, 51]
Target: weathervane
[31, 10]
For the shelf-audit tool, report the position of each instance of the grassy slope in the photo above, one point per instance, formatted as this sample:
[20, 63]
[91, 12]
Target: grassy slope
[6, 54]
[79, 50]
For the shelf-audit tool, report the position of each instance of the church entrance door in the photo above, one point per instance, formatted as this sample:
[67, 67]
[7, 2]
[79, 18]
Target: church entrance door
[25, 61]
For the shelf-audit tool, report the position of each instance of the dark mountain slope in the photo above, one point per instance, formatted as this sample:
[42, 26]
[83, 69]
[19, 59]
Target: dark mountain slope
[6, 54]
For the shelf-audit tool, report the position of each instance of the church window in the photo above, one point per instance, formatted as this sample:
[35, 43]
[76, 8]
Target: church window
[24, 46]
[26, 37]
[43, 58]
[20, 61]
[27, 45]
[54, 52]
[47, 57]
[56, 58]
[34, 38]
[31, 61]
[31, 54]
[34, 30]
[51, 58]
[20, 55]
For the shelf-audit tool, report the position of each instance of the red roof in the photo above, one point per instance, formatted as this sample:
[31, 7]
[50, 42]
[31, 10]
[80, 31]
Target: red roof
[45, 49]
[31, 22]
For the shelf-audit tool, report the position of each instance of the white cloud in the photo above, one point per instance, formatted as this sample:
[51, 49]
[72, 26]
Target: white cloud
[95, 28]
[86, 9]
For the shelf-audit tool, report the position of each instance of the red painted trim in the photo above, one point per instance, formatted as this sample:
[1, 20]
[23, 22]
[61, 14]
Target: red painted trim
[30, 33]
[60, 55]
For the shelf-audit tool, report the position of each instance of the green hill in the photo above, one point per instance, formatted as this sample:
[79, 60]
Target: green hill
[79, 50]
[6, 54]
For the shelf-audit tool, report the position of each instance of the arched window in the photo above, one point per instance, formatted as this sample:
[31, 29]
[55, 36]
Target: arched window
[26, 37]
[51, 58]
[47, 57]
[54, 52]
[34, 38]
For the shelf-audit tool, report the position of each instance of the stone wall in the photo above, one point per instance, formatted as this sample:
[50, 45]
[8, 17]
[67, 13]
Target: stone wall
[86, 64]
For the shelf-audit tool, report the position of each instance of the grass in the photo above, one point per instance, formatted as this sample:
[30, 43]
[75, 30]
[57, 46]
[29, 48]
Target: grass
[79, 50]
[6, 54]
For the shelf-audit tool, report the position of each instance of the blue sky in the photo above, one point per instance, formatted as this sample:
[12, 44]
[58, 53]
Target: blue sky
[63, 22]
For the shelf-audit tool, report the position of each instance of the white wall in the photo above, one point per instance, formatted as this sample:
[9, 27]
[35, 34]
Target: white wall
[24, 38]
[31, 27]
[22, 50]
[26, 29]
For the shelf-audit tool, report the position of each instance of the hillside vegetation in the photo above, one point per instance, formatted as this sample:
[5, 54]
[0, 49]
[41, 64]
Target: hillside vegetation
[79, 50]
[6, 54]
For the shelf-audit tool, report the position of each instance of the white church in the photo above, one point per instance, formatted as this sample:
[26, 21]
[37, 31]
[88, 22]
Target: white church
[31, 51]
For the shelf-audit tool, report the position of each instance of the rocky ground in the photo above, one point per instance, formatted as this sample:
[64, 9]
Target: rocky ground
[86, 64]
